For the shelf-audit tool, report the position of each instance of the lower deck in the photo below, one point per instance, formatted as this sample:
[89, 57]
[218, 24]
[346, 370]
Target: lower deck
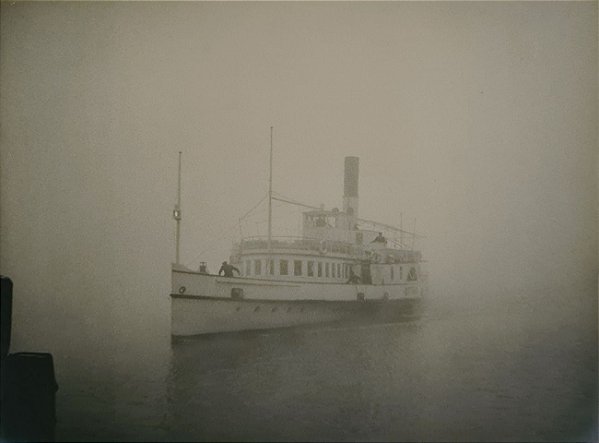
[203, 303]
[188, 283]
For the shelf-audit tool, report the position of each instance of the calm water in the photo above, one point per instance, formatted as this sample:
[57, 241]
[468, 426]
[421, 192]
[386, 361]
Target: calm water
[518, 370]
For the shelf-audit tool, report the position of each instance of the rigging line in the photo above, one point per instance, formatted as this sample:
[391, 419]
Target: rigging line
[222, 229]
[211, 247]
[285, 199]
[211, 233]
[294, 203]
[223, 233]
[206, 250]
[363, 220]
[392, 228]
[257, 204]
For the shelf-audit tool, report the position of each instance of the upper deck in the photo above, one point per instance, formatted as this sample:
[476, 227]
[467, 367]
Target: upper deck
[285, 245]
[337, 235]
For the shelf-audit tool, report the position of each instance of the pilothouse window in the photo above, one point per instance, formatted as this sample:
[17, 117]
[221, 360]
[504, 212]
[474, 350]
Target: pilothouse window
[257, 267]
[412, 275]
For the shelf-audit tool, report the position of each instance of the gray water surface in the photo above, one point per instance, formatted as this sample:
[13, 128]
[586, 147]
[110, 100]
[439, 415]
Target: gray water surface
[521, 370]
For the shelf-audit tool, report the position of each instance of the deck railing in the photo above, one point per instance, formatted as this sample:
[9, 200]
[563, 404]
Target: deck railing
[321, 246]
[300, 243]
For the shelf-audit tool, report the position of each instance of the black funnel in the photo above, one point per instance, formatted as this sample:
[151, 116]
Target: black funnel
[350, 179]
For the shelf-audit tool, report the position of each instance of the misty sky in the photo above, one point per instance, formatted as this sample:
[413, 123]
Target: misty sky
[477, 119]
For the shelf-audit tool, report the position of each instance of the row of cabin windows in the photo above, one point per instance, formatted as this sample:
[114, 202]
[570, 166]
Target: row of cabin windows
[411, 275]
[312, 268]
[315, 269]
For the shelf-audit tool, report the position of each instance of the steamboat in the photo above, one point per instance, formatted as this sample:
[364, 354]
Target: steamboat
[341, 267]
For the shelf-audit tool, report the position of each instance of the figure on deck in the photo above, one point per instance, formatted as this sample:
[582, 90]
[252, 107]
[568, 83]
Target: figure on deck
[380, 239]
[353, 277]
[228, 269]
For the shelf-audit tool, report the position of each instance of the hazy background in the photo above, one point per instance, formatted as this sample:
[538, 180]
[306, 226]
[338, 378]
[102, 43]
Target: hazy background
[477, 119]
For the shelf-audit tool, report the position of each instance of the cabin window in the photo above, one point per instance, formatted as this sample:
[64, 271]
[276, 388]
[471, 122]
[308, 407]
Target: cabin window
[333, 273]
[401, 273]
[248, 267]
[283, 267]
[271, 267]
[320, 269]
[257, 267]
[392, 274]
[338, 270]
[326, 269]
[412, 275]
[310, 269]
[297, 267]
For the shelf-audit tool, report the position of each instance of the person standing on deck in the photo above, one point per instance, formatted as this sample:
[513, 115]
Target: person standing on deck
[228, 269]
[380, 239]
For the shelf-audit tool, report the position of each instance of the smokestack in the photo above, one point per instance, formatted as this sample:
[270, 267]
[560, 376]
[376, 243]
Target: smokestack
[350, 186]
[350, 181]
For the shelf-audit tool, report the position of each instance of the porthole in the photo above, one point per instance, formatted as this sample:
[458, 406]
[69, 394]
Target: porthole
[182, 290]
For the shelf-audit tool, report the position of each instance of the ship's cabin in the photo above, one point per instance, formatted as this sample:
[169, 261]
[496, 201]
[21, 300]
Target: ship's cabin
[302, 268]
[333, 249]
[334, 246]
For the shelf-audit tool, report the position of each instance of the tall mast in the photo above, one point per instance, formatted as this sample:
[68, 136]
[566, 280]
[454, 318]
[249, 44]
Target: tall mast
[401, 229]
[177, 211]
[270, 208]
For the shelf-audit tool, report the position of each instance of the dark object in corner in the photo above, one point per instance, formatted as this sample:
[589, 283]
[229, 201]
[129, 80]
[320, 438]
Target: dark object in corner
[28, 411]
[5, 314]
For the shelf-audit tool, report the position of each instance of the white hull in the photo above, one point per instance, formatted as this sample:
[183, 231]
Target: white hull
[195, 316]
[202, 304]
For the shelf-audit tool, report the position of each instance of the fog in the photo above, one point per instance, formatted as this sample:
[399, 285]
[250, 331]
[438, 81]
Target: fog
[477, 120]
